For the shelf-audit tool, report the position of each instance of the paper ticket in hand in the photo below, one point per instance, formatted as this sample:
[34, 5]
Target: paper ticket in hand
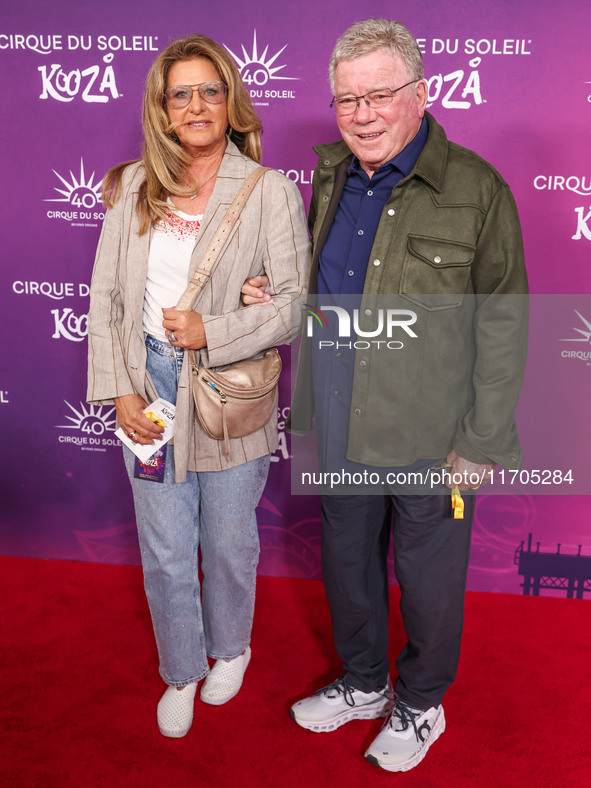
[161, 412]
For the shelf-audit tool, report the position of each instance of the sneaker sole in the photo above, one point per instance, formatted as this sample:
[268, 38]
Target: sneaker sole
[175, 734]
[336, 722]
[417, 757]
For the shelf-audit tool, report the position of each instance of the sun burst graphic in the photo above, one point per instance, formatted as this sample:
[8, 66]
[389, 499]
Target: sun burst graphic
[586, 334]
[262, 60]
[78, 191]
[88, 418]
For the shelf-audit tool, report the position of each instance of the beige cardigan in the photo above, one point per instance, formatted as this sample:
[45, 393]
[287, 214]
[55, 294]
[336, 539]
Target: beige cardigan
[269, 237]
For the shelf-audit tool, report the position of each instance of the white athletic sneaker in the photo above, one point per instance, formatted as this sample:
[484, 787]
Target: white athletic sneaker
[405, 738]
[339, 703]
[225, 679]
[175, 711]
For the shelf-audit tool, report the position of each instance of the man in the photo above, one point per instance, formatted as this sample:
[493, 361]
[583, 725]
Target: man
[397, 209]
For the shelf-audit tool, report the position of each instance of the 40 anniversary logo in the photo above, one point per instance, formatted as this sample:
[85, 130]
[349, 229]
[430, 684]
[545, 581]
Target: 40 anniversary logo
[581, 355]
[257, 69]
[80, 199]
[88, 426]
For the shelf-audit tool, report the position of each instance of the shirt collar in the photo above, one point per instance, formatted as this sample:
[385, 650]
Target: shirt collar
[403, 161]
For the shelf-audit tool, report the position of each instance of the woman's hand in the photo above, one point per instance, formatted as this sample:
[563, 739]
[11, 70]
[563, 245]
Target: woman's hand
[133, 421]
[186, 327]
[254, 291]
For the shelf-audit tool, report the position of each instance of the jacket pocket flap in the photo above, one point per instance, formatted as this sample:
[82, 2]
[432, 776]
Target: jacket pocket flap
[438, 253]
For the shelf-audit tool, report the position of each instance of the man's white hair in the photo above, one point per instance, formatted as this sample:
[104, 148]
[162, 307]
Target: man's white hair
[373, 34]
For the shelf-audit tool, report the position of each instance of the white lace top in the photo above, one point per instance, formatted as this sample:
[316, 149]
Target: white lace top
[171, 247]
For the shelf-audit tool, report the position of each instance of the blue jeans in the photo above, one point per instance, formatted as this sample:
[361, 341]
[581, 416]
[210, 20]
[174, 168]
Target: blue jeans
[214, 511]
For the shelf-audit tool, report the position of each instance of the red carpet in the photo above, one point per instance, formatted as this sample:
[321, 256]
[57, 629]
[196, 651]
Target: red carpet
[80, 689]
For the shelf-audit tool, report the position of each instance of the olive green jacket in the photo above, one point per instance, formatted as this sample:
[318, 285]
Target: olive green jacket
[448, 247]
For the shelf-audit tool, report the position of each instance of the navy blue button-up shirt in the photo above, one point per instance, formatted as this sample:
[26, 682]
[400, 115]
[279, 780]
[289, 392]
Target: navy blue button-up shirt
[342, 269]
[344, 257]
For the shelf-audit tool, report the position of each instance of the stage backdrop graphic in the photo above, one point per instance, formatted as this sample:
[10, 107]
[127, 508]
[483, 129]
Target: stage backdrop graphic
[509, 80]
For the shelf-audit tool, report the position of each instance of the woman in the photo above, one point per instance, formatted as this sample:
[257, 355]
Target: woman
[201, 140]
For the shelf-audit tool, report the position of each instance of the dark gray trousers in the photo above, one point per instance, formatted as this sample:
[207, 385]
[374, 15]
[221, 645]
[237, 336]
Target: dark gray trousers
[431, 554]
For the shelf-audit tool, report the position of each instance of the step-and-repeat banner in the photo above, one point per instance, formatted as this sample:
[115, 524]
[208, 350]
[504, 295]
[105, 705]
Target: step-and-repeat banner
[509, 80]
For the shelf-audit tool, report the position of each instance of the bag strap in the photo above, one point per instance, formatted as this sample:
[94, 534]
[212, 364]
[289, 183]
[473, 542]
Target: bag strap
[205, 268]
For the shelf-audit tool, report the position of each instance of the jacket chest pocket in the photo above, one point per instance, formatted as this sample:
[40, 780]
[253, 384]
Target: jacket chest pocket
[436, 273]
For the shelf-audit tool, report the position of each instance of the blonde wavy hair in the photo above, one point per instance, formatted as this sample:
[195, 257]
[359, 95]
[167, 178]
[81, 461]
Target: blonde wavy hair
[164, 159]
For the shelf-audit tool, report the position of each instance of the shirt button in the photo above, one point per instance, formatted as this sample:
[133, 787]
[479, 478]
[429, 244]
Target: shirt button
[339, 354]
[335, 392]
[368, 312]
[391, 211]
[327, 161]
[437, 259]
[359, 232]
[377, 262]
[325, 198]
[369, 193]
[357, 411]
[363, 364]
[351, 273]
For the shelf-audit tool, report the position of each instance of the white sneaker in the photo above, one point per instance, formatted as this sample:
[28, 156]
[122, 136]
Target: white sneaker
[338, 703]
[225, 679]
[175, 711]
[405, 738]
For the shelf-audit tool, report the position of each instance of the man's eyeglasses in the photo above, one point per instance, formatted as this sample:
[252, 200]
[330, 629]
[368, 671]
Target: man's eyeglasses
[179, 96]
[375, 99]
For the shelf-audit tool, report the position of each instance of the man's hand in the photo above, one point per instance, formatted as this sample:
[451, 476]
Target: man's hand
[133, 421]
[254, 291]
[186, 327]
[472, 474]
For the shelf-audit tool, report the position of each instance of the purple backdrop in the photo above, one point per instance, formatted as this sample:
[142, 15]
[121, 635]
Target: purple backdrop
[512, 81]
